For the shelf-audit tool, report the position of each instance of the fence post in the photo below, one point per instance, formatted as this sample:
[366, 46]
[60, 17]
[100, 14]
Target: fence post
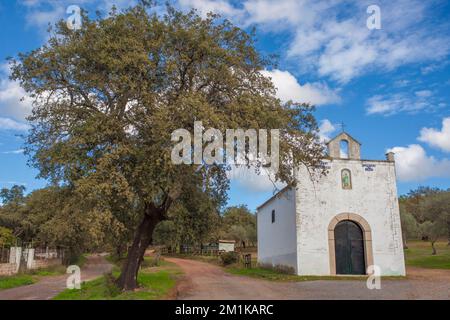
[30, 258]
[14, 257]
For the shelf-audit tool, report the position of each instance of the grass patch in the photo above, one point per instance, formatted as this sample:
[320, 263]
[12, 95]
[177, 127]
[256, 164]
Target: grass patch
[155, 283]
[419, 254]
[16, 281]
[274, 275]
[32, 276]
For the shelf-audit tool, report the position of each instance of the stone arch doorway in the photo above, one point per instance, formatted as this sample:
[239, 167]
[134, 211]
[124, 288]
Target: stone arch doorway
[350, 244]
[349, 248]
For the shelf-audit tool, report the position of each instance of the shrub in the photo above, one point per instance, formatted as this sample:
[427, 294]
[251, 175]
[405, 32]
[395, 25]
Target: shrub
[228, 258]
[111, 288]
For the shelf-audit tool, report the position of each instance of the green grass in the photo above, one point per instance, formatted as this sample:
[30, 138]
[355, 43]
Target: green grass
[419, 254]
[33, 276]
[274, 275]
[8, 282]
[155, 283]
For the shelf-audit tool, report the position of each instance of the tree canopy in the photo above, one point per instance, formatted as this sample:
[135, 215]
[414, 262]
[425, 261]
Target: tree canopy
[108, 96]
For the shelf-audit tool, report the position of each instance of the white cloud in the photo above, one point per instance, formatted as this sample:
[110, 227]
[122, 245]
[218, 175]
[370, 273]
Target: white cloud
[248, 178]
[424, 93]
[326, 128]
[413, 164]
[14, 102]
[402, 102]
[19, 151]
[9, 124]
[289, 89]
[205, 6]
[437, 138]
[331, 37]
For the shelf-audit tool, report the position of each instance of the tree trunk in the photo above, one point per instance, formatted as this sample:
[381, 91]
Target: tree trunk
[405, 244]
[434, 249]
[142, 239]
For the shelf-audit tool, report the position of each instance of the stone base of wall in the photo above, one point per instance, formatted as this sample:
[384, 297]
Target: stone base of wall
[7, 269]
[38, 264]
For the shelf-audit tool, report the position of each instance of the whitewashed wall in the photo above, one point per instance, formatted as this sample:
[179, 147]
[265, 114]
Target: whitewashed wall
[277, 243]
[373, 196]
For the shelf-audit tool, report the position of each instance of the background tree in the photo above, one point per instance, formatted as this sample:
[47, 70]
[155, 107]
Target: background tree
[57, 217]
[7, 238]
[239, 224]
[435, 209]
[425, 213]
[410, 227]
[166, 234]
[108, 96]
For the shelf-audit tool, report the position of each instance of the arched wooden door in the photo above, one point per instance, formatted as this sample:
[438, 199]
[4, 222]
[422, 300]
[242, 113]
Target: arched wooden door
[349, 248]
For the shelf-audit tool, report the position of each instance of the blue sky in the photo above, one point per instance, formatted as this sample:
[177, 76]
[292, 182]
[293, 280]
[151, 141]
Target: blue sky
[390, 86]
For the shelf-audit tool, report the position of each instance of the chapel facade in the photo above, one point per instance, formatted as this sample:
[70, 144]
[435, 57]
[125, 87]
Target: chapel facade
[338, 223]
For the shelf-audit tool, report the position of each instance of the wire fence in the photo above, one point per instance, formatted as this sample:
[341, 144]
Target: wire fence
[4, 255]
[46, 253]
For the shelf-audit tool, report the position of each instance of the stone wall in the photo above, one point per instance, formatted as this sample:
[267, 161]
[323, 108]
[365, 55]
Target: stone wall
[7, 269]
[44, 263]
[12, 267]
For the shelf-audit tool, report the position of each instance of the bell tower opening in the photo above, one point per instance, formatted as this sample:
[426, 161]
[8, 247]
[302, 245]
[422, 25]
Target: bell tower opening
[344, 146]
[343, 149]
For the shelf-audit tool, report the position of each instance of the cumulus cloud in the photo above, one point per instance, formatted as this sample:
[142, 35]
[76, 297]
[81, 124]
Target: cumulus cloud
[331, 37]
[413, 164]
[290, 89]
[248, 178]
[9, 124]
[326, 128]
[14, 102]
[205, 6]
[437, 138]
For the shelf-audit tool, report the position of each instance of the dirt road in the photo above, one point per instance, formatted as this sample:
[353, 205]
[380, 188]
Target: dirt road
[206, 281]
[50, 286]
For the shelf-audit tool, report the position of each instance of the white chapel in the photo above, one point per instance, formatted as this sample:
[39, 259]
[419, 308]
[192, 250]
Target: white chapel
[338, 223]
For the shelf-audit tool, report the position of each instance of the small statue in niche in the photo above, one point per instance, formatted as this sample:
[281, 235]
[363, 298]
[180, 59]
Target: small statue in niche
[346, 179]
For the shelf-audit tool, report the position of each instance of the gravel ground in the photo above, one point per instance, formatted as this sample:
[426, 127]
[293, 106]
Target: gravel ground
[50, 286]
[206, 281]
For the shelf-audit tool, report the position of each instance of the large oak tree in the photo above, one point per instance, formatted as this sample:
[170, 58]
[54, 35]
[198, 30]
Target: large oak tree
[108, 96]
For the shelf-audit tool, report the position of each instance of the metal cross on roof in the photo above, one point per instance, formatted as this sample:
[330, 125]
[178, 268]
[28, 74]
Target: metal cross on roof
[342, 124]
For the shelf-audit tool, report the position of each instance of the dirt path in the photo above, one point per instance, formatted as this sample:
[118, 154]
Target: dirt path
[206, 281]
[50, 286]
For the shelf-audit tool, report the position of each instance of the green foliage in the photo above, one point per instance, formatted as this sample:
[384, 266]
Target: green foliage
[107, 97]
[425, 213]
[165, 234]
[154, 284]
[228, 258]
[239, 224]
[13, 195]
[6, 237]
